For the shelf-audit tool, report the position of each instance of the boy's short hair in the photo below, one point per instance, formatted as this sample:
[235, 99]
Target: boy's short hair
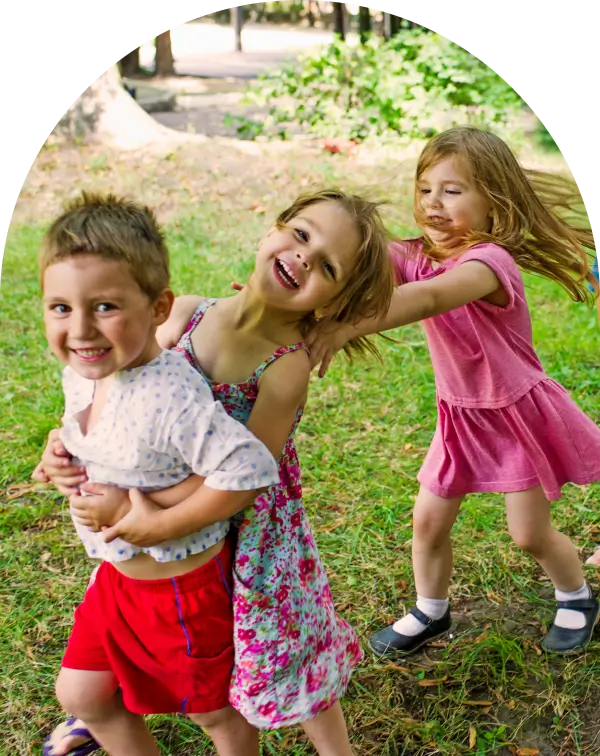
[112, 228]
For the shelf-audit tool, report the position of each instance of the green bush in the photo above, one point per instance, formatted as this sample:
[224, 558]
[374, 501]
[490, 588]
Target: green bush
[413, 84]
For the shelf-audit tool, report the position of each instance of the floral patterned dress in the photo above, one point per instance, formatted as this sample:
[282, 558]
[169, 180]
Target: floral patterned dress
[294, 654]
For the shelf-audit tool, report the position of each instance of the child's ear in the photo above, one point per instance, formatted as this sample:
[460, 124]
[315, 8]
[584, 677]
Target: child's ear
[162, 307]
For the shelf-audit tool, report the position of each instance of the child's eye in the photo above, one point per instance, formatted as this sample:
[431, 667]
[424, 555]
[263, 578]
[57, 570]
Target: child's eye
[330, 269]
[60, 309]
[452, 191]
[302, 235]
[425, 191]
[105, 307]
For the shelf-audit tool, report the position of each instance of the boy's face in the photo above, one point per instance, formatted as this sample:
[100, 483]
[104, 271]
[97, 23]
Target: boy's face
[97, 318]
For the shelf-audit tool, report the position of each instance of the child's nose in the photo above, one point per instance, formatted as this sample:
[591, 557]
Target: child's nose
[303, 257]
[81, 325]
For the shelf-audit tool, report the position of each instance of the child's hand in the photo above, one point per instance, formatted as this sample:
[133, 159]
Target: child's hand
[105, 506]
[140, 525]
[323, 342]
[56, 467]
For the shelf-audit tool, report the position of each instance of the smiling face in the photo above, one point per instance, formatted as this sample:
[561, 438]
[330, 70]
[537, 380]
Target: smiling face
[97, 318]
[448, 204]
[303, 265]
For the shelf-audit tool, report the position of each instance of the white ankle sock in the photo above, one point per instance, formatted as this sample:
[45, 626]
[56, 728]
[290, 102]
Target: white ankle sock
[569, 618]
[410, 625]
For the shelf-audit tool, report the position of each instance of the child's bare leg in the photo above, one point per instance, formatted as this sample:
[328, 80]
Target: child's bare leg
[231, 734]
[433, 518]
[528, 515]
[95, 698]
[328, 733]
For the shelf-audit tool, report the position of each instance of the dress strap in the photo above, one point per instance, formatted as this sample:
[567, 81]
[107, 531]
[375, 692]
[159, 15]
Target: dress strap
[279, 353]
[198, 315]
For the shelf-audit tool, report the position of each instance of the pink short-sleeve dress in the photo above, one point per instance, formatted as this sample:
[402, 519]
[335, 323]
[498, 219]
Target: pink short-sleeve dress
[503, 425]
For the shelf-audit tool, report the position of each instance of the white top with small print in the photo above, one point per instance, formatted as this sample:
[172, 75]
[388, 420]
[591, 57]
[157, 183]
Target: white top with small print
[159, 425]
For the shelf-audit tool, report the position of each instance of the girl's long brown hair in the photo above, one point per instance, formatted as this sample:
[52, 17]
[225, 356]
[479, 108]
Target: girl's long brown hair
[536, 216]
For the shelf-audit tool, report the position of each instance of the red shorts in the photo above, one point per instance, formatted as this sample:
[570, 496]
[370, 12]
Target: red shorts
[169, 642]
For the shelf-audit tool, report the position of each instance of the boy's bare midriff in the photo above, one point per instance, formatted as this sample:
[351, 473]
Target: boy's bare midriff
[144, 567]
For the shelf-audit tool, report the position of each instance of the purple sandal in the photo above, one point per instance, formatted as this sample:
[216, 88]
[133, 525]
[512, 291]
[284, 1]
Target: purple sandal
[81, 750]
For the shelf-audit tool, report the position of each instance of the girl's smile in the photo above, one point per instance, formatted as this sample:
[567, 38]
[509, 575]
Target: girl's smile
[303, 265]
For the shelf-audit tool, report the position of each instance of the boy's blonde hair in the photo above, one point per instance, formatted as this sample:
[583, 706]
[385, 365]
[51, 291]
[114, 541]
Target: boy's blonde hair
[533, 213]
[368, 291]
[112, 228]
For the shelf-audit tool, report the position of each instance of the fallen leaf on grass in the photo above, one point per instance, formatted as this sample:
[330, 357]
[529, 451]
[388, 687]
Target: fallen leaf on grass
[20, 489]
[524, 751]
[438, 644]
[432, 683]
[472, 738]
[478, 703]
[396, 668]
[511, 704]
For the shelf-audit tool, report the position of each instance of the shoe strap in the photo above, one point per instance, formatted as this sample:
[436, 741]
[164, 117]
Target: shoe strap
[421, 616]
[578, 605]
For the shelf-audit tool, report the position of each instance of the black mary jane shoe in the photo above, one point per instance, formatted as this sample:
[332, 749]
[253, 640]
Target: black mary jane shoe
[388, 642]
[564, 641]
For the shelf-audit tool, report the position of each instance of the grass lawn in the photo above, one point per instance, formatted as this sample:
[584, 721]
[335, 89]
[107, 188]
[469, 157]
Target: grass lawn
[489, 689]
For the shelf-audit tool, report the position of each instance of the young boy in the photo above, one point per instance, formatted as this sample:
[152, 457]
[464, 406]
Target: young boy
[154, 632]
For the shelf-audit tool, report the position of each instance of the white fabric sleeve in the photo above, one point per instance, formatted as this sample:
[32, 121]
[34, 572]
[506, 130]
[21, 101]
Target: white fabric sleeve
[217, 447]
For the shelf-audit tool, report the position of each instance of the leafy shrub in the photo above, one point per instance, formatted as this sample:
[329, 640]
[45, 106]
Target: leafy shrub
[414, 84]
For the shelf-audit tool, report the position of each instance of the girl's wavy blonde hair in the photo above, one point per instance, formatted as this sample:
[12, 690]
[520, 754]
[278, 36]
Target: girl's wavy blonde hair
[535, 216]
[368, 291]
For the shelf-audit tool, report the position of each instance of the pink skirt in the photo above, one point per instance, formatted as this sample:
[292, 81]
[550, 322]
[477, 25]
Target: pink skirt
[542, 439]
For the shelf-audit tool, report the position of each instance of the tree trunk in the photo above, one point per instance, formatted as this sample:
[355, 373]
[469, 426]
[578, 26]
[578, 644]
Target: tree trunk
[164, 55]
[364, 23]
[339, 20]
[391, 24]
[238, 22]
[129, 65]
[106, 113]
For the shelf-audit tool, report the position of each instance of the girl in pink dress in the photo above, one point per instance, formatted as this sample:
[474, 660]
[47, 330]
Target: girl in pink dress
[503, 425]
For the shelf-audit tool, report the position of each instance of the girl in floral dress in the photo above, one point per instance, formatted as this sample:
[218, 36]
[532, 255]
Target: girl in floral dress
[326, 255]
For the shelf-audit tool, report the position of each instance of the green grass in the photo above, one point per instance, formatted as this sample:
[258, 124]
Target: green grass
[367, 427]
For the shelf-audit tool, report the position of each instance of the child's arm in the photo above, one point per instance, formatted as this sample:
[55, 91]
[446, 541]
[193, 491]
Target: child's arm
[104, 505]
[282, 391]
[411, 302]
[169, 333]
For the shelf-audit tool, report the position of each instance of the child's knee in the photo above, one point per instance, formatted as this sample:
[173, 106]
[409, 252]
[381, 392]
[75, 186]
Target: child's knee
[528, 538]
[85, 694]
[221, 718]
[431, 527]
